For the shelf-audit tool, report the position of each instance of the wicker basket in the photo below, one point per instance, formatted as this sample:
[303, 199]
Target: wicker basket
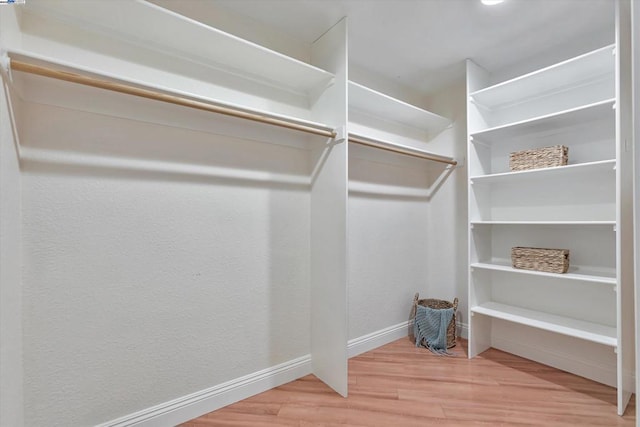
[546, 157]
[437, 304]
[540, 259]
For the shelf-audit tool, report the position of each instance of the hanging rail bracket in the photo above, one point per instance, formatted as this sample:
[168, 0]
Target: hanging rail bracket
[341, 134]
[5, 65]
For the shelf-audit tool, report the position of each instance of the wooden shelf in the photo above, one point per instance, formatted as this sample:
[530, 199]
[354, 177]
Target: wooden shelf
[563, 119]
[588, 331]
[590, 168]
[187, 39]
[572, 73]
[574, 273]
[386, 108]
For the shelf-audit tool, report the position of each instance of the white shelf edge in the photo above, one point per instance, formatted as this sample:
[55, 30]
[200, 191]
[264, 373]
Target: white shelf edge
[570, 276]
[610, 47]
[68, 66]
[588, 331]
[580, 167]
[432, 122]
[393, 145]
[316, 76]
[586, 223]
[484, 132]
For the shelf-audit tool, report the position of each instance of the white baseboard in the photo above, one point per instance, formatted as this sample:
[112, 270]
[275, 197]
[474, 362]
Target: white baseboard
[194, 405]
[602, 373]
[377, 339]
[463, 330]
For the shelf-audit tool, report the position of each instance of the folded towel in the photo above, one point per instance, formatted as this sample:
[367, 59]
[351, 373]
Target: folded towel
[430, 328]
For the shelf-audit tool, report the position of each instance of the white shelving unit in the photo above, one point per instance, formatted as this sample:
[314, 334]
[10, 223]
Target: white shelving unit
[188, 39]
[194, 57]
[376, 116]
[583, 207]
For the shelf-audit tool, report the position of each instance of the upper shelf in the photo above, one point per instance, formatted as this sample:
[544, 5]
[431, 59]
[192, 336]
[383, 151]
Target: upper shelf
[376, 104]
[33, 66]
[563, 119]
[590, 67]
[152, 26]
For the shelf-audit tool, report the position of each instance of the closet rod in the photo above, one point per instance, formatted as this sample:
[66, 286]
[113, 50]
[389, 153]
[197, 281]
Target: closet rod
[159, 96]
[407, 152]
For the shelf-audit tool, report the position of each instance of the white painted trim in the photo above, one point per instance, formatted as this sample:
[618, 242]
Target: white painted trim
[463, 330]
[194, 405]
[377, 339]
[599, 372]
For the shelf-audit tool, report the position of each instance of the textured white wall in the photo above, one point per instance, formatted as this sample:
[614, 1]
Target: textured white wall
[141, 287]
[10, 280]
[11, 372]
[388, 238]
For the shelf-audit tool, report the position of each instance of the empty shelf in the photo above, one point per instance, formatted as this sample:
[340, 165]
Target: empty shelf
[590, 67]
[563, 119]
[376, 104]
[187, 39]
[588, 331]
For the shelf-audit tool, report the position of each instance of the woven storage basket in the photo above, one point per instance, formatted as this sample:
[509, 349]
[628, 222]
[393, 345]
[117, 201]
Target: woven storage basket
[540, 259]
[545, 157]
[437, 304]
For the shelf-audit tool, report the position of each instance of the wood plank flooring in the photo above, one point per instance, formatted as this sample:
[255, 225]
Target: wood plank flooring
[401, 385]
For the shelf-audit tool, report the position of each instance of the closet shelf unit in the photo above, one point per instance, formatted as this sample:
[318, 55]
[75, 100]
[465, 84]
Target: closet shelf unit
[34, 64]
[582, 206]
[381, 121]
[200, 61]
[188, 40]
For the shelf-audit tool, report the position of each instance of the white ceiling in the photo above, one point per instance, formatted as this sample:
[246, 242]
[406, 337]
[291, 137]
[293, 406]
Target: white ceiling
[422, 44]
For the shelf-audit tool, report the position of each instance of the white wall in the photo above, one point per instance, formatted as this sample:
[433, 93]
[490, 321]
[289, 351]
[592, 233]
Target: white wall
[388, 238]
[144, 286]
[11, 372]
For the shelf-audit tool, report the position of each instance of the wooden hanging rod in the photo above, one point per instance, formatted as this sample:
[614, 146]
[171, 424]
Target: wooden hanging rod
[159, 96]
[400, 150]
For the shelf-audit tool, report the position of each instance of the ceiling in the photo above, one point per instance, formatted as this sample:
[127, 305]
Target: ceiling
[422, 44]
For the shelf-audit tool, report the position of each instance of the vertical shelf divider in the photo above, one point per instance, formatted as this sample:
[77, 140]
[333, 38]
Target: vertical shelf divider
[624, 209]
[329, 192]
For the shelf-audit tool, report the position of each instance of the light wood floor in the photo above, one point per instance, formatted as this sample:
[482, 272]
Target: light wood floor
[400, 385]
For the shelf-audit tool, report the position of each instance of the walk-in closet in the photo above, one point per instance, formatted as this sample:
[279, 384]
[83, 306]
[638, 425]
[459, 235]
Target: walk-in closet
[219, 212]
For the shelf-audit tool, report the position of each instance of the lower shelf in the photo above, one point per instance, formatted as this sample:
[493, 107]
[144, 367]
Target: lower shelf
[593, 332]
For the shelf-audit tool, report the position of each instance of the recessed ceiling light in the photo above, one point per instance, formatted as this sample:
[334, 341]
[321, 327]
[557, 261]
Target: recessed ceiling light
[491, 2]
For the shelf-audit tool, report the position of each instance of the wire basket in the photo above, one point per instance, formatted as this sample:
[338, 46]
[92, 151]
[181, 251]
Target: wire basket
[436, 304]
